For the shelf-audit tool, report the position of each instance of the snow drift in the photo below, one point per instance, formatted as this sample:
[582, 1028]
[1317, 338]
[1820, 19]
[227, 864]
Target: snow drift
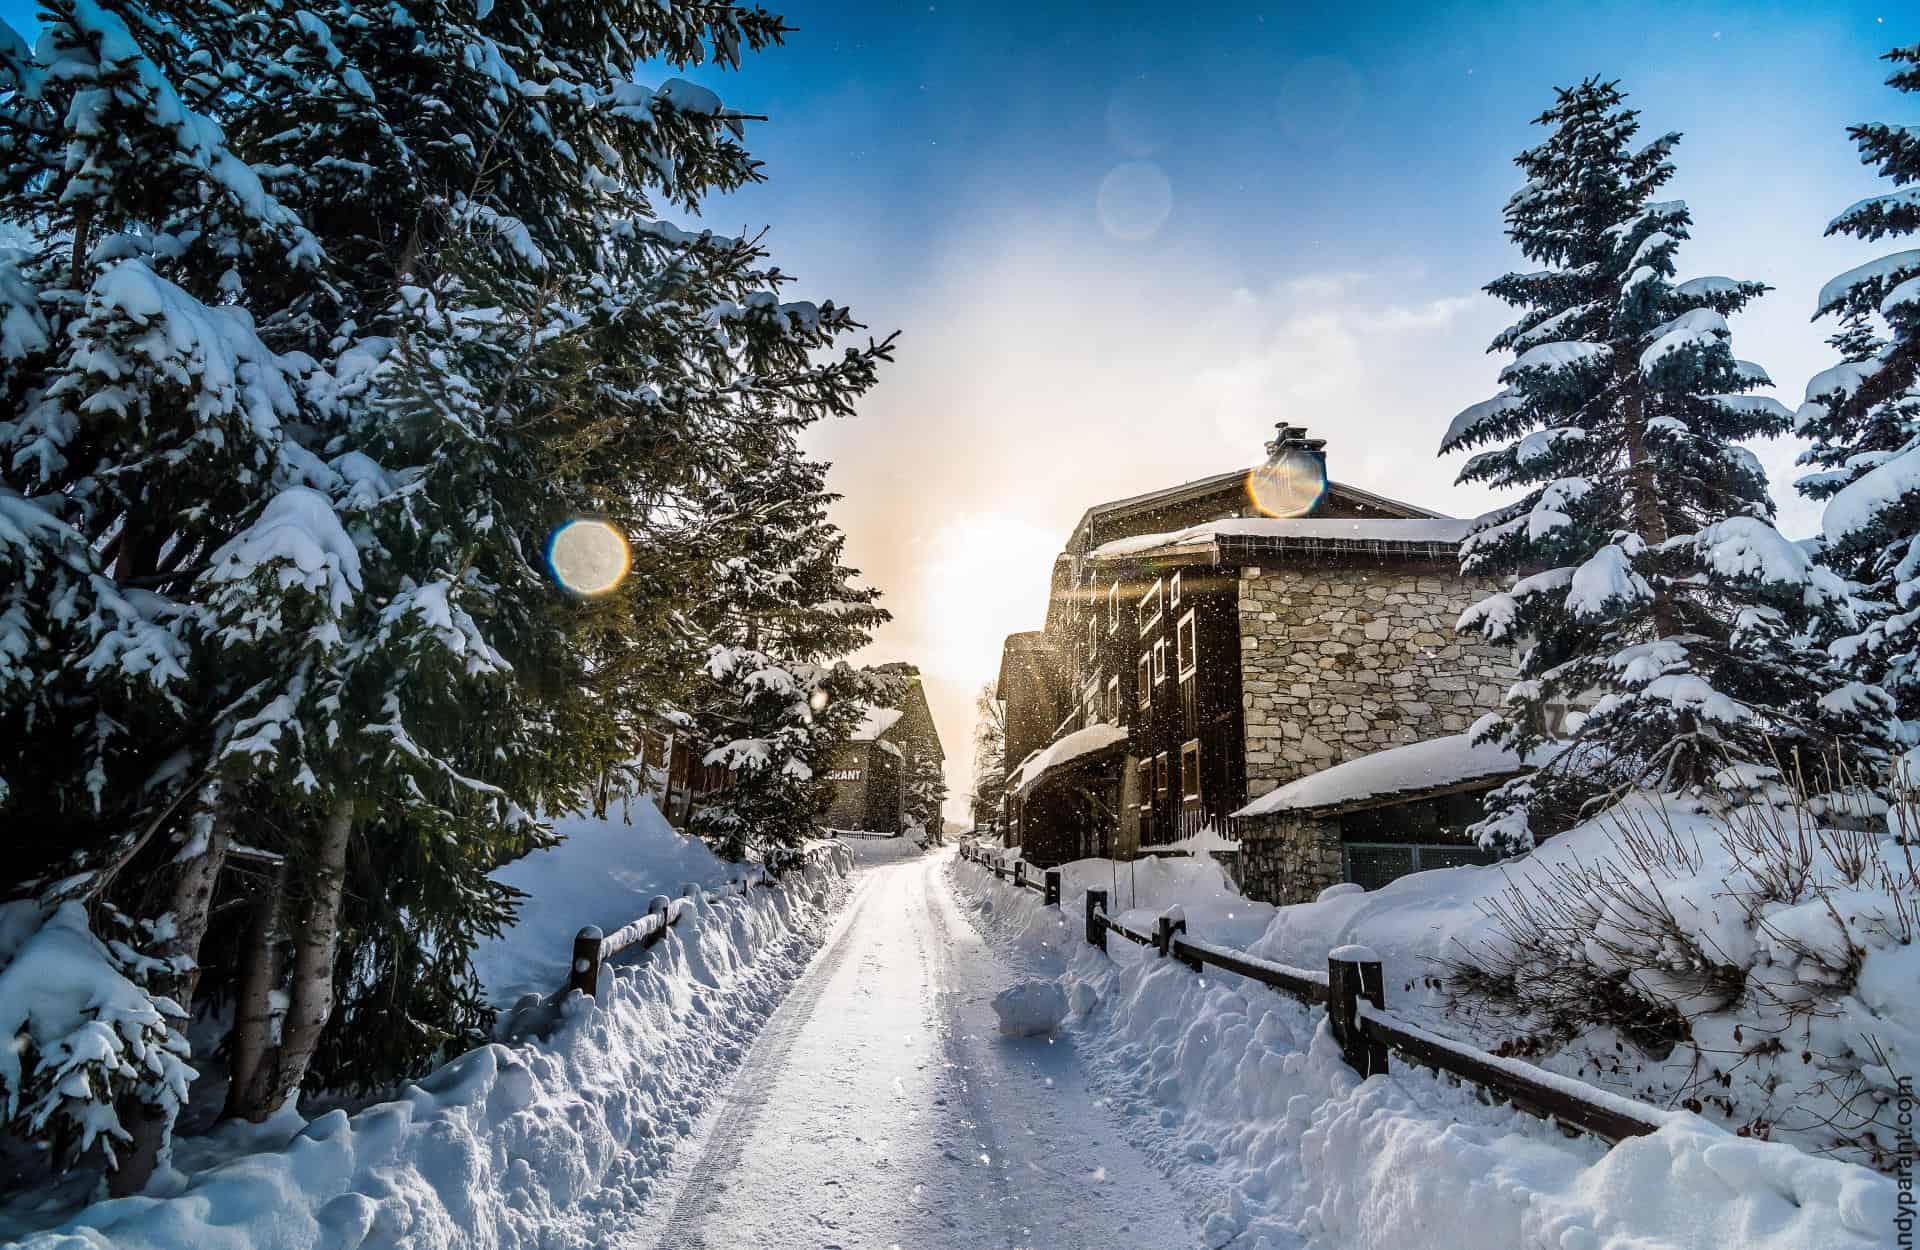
[1241, 1095]
[544, 1144]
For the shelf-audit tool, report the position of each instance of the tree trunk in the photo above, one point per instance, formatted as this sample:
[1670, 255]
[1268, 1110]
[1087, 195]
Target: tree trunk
[196, 872]
[253, 1006]
[1644, 483]
[316, 935]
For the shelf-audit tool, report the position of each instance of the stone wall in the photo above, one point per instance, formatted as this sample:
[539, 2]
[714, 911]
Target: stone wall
[1341, 662]
[1289, 859]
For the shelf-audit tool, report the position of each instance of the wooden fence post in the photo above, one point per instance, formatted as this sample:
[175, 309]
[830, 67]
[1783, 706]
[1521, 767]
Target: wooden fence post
[1353, 973]
[1163, 931]
[1020, 872]
[585, 975]
[1052, 897]
[1097, 919]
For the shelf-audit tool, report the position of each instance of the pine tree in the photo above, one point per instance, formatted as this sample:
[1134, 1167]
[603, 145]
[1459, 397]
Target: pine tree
[1650, 578]
[325, 319]
[780, 696]
[148, 419]
[1862, 416]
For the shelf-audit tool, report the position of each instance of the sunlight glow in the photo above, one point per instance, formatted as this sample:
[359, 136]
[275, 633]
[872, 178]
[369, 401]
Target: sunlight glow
[989, 576]
[587, 556]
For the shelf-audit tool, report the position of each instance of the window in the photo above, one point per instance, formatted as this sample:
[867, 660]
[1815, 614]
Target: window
[1143, 783]
[1113, 608]
[1190, 771]
[1093, 637]
[1160, 775]
[1160, 660]
[1150, 608]
[1143, 677]
[1113, 700]
[1090, 703]
[1186, 637]
[1173, 592]
[1373, 864]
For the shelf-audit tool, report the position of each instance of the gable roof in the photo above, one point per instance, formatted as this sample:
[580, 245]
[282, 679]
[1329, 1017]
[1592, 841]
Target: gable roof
[913, 719]
[1224, 484]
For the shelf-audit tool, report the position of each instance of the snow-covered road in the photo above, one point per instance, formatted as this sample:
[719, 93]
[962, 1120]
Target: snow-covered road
[881, 1108]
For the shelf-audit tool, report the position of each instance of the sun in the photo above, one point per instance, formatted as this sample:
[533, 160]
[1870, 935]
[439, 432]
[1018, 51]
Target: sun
[986, 576]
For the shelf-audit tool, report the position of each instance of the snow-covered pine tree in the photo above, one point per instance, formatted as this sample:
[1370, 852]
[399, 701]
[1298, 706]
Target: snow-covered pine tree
[1650, 579]
[377, 239]
[1862, 416]
[780, 696]
[146, 420]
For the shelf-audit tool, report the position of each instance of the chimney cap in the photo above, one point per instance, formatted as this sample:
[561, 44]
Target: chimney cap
[1288, 437]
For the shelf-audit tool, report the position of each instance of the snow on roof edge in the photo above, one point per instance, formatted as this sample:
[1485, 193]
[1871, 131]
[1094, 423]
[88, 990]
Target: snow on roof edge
[1404, 770]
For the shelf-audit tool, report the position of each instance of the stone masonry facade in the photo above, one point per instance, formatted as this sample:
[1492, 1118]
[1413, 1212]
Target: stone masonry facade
[1290, 858]
[1338, 663]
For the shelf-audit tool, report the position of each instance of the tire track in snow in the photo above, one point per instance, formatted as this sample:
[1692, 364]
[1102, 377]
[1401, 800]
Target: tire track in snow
[746, 1096]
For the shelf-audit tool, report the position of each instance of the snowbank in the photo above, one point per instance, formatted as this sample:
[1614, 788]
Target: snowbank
[1240, 1094]
[602, 874]
[544, 1144]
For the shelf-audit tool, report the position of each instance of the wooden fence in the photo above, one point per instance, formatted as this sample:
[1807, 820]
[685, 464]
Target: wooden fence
[592, 949]
[1354, 993]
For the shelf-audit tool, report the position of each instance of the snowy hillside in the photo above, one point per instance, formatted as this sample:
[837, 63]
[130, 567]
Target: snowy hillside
[538, 1144]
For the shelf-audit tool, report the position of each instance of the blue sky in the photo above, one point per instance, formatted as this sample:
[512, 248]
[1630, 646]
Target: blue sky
[1333, 180]
[1300, 206]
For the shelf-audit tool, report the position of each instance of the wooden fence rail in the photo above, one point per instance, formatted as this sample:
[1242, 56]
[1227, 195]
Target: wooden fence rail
[592, 948]
[1355, 996]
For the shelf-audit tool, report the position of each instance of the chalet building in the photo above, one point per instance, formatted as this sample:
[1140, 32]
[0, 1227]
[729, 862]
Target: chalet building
[1201, 652]
[870, 771]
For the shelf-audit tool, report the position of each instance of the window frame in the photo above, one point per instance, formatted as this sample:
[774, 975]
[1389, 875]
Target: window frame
[1111, 706]
[1161, 779]
[1159, 660]
[1173, 591]
[1186, 627]
[1153, 597]
[1113, 608]
[1143, 677]
[1191, 747]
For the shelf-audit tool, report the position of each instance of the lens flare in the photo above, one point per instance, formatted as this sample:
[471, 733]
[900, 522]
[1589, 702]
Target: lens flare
[587, 557]
[1290, 484]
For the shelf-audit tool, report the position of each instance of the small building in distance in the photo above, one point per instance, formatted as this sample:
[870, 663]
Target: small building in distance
[870, 771]
[1215, 641]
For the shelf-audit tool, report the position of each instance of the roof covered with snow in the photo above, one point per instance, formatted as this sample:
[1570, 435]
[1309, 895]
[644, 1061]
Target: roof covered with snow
[877, 721]
[1214, 539]
[1416, 769]
[1071, 748]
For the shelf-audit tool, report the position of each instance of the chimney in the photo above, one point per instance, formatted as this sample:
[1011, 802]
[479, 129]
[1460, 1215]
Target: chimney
[1294, 437]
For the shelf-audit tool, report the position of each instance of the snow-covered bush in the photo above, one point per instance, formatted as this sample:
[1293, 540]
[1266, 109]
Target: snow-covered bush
[1764, 953]
[83, 1036]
